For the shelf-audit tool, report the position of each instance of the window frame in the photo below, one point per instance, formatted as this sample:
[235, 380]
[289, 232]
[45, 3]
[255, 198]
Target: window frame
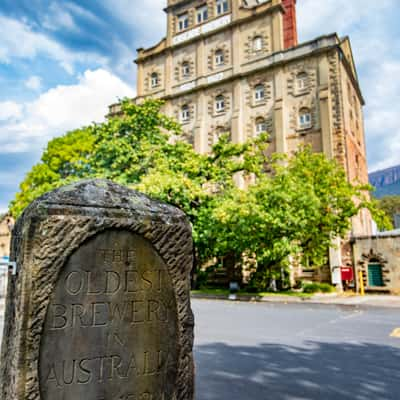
[219, 57]
[185, 69]
[222, 7]
[202, 14]
[261, 122]
[185, 113]
[305, 119]
[220, 104]
[154, 80]
[259, 89]
[183, 22]
[258, 43]
[302, 81]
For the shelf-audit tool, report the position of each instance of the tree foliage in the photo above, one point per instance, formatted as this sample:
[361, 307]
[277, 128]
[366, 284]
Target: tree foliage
[296, 208]
[65, 159]
[390, 205]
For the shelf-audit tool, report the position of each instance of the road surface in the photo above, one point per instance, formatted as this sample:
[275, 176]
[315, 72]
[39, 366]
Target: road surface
[253, 351]
[295, 352]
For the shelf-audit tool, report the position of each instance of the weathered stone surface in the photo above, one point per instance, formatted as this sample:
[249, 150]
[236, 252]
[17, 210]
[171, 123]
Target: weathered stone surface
[100, 306]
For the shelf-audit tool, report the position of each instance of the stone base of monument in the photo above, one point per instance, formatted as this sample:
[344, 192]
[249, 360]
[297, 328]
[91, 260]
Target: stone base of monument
[99, 308]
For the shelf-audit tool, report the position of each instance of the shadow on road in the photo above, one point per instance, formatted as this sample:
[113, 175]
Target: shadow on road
[317, 371]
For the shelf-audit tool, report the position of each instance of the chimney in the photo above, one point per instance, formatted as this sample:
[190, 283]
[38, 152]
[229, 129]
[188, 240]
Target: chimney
[290, 38]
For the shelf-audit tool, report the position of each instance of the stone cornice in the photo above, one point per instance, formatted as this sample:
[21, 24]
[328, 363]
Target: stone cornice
[319, 45]
[314, 47]
[201, 36]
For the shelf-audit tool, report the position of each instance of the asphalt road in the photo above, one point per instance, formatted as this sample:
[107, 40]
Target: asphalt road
[247, 351]
[295, 352]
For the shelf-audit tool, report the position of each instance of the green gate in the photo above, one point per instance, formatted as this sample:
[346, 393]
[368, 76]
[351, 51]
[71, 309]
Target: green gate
[375, 276]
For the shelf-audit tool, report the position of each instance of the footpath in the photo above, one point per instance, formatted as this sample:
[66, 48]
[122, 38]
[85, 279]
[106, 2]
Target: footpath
[388, 301]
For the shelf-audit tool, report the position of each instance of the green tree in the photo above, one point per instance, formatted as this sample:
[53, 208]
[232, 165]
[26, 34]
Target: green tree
[295, 209]
[65, 159]
[136, 150]
[390, 205]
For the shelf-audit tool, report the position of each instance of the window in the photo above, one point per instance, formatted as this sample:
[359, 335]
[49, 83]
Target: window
[154, 80]
[259, 93]
[305, 119]
[302, 81]
[185, 69]
[261, 126]
[257, 43]
[219, 58]
[222, 6]
[220, 104]
[183, 22]
[202, 14]
[185, 113]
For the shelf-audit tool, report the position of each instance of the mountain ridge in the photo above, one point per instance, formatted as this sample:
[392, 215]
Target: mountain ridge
[386, 181]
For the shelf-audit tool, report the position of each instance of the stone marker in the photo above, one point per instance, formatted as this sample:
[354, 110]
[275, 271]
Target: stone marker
[99, 308]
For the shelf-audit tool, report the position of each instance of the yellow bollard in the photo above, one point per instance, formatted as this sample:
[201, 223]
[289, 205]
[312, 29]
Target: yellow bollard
[361, 279]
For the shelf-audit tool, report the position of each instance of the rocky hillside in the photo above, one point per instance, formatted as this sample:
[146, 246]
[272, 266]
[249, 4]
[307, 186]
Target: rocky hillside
[386, 182]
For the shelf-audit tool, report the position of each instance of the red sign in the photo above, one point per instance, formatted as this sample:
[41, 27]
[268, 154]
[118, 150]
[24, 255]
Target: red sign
[347, 274]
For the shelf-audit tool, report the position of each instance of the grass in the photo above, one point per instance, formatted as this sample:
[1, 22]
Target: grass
[225, 292]
[288, 293]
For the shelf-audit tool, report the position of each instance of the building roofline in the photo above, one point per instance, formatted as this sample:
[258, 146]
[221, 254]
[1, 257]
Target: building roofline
[350, 65]
[380, 235]
[176, 5]
[233, 23]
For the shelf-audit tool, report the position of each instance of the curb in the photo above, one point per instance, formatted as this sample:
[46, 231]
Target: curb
[317, 300]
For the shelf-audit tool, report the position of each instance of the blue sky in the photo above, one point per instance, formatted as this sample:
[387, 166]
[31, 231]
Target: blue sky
[63, 61]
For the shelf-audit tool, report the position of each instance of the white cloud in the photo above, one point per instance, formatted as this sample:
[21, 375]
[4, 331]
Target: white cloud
[61, 109]
[382, 121]
[376, 55]
[34, 82]
[18, 40]
[142, 17]
[320, 17]
[58, 18]
[10, 110]
[82, 12]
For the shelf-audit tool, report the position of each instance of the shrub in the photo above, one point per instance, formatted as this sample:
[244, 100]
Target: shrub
[318, 288]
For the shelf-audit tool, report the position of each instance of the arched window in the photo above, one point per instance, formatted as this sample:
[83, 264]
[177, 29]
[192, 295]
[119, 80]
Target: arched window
[305, 118]
[259, 92]
[154, 80]
[261, 126]
[302, 81]
[257, 43]
[220, 104]
[219, 57]
[185, 69]
[185, 113]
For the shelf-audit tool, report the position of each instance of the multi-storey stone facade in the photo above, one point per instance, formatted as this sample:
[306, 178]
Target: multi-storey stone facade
[236, 66]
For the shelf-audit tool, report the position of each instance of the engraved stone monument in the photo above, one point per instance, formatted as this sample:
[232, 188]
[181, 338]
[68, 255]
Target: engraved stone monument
[99, 308]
